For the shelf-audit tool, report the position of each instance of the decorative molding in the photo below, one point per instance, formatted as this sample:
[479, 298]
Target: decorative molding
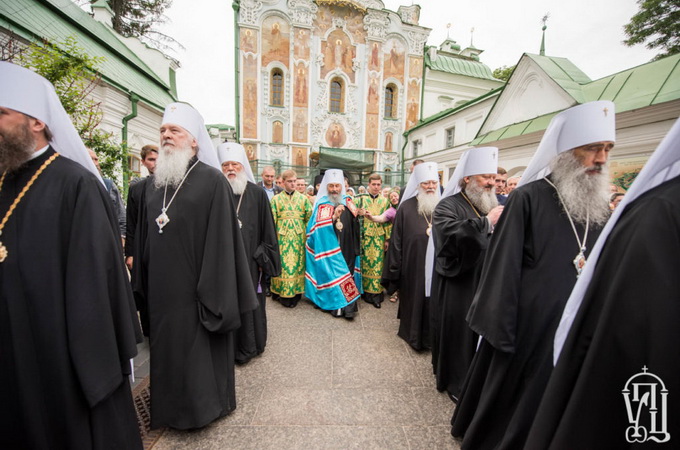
[303, 12]
[376, 23]
[276, 151]
[390, 158]
[356, 64]
[416, 42]
[339, 23]
[249, 11]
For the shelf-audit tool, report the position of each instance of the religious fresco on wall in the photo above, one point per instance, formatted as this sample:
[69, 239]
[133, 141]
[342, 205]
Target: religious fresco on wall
[251, 151]
[412, 104]
[335, 135]
[393, 54]
[388, 142]
[300, 125]
[249, 97]
[277, 132]
[301, 87]
[355, 25]
[373, 100]
[338, 53]
[301, 43]
[374, 57]
[415, 67]
[324, 20]
[275, 41]
[299, 156]
[372, 124]
[248, 42]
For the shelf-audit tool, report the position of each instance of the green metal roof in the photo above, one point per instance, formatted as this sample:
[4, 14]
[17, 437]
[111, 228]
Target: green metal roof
[459, 66]
[564, 73]
[55, 20]
[645, 85]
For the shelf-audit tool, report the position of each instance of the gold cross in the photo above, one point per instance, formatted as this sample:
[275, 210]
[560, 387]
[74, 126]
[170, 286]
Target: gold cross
[173, 108]
[605, 112]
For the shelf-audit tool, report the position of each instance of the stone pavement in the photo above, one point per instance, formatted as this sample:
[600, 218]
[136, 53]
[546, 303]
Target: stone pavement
[325, 383]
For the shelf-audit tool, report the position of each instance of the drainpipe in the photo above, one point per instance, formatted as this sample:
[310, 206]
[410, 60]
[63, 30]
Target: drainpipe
[134, 98]
[403, 149]
[235, 5]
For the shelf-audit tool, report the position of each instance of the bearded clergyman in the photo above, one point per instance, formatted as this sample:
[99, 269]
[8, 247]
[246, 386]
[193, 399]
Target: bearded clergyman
[194, 274]
[333, 272]
[405, 263]
[68, 325]
[462, 226]
[259, 237]
[539, 247]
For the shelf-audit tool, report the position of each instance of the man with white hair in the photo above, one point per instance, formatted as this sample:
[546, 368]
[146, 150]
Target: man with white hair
[68, 326]
[194, 274]
[333, 273]
[512, 183]
[406, 254]
[538, 249]
[259, 238]
[462, 226]
[617, 359]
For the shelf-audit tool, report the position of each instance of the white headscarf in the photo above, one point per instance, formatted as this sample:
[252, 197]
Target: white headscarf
[476, 161]
[27, 92]
[574, 127]
[191, 120]
[663, 165]
[330, 176]
[231, 151]
[423, 172]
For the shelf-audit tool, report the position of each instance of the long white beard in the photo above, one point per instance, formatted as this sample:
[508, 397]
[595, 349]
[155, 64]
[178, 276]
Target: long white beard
[172, 165]
[335, 199]
[482, 199]
[426, 202]
[238, 184]
[585, 195]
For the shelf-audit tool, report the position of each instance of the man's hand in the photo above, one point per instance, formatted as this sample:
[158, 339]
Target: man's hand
[338, 211]
[128, 262]
[495, 214]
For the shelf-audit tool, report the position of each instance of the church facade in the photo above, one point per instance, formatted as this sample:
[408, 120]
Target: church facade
[337, 77]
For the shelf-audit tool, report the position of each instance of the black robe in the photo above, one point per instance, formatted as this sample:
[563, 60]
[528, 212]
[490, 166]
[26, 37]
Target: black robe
[460, 238]
[132, 214]
[527, 277]
[262, 251]
[405, 270]
[197, 282]
[349, 239]
[67, 322]
[629, 319]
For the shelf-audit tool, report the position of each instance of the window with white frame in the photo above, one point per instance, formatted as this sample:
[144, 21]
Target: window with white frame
[450, 135]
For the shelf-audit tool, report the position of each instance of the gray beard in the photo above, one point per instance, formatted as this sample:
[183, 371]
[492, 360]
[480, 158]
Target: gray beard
[426, 202]
[171, 166]
[16, 148]
[484, 201]
[238, 184]
[335, 199]
[585, 196]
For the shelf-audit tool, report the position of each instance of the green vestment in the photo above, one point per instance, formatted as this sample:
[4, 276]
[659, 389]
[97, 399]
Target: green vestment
[372, 243]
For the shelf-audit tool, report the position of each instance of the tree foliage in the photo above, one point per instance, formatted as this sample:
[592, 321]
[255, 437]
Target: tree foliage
[503, 73]
[138, 18]
[626, 179]
[657, 24]
[74, 76]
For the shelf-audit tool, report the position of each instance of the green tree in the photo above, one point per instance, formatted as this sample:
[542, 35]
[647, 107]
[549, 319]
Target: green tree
[503, 73]
[657, 24]
[137, 18]
[74, 75]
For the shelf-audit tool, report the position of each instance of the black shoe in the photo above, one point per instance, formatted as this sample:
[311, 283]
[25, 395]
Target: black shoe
[377, 305]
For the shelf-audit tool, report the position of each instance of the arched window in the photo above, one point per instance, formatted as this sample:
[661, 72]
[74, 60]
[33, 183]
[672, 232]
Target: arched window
[337, 96]
[391, 101]
[276, 98]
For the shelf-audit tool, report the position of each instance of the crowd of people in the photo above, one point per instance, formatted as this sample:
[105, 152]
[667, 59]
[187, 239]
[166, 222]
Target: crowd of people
[540, 295]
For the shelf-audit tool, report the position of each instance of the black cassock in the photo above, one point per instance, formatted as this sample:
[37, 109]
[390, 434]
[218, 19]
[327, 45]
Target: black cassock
[197, 282]
[527, 277]
[349, 238]
[67, 322]
[461, 238]
[629, 320]
[132, 214]
[405, 270]
[262, 251]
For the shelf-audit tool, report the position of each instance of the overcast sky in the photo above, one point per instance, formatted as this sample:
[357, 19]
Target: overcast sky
[587, 32]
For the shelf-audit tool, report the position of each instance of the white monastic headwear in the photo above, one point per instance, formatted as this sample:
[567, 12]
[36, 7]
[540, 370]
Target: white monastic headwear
[662, 166]
[29, 93]
[191, 120]
[574, 127]
[330, 176]
[423, 172]
[231, 151]
[476, 161]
